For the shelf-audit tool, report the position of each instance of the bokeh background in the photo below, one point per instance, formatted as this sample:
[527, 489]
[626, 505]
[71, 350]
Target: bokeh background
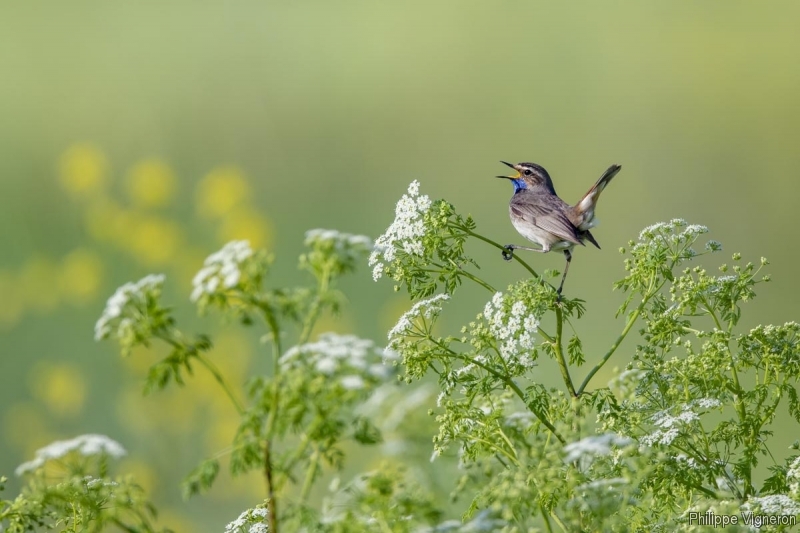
[138, 137]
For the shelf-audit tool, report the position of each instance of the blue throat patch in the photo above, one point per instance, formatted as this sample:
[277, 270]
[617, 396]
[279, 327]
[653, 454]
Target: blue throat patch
[519, 185]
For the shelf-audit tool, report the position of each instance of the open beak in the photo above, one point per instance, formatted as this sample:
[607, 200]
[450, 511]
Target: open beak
[509, 177]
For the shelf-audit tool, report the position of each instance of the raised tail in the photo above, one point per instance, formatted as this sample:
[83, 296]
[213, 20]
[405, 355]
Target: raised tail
[583, 211]
[591, 196]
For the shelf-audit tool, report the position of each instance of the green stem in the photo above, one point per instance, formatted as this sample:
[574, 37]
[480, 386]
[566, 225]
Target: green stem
[738, 394]
[211, 367]
[651, 290]
[562, 363]
[272, 322]
[316, 307]
[179, 344]
[631, 320]
[305, 441]
[508, 381]
[500, 247]
[546, 519]
[311, 473]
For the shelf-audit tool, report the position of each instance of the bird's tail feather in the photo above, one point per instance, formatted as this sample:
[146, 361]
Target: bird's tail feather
[591, 196]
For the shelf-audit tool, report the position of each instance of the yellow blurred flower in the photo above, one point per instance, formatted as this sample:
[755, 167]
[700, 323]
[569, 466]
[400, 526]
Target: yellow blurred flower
[25, 428]
[221, 190]
[81, 276]
[13, 305]
[83, 169]
[342, 323]
[37, 283]
[154, 241]
[100, 218]
[246, 224]
[175, 520]
[59, 386]
[219, 433]
[232, 353]
[172, 411]
[151, 183]
[143, 474]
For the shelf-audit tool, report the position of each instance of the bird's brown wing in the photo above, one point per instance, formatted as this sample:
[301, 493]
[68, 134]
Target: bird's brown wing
[543, 214]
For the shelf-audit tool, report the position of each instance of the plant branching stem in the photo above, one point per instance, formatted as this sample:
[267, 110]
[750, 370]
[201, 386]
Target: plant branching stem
[316, 306]
[212, 368]
[311, 474]
[562, 363]
[651, 290]
[499, 247]
[509, 382]
[631, 321]
[272, 323]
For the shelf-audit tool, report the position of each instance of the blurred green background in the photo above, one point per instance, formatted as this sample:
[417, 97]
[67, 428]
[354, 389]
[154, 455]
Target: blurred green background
[138, 137]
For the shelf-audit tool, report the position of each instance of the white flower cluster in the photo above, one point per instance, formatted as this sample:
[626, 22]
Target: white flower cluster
[624, 385]
[668, 233]
[595, 446]
[342, 242]
[427, 309]
[346, 356]
[96, 483]
[250, 521]
[114, 320]
[670, 424]
[774, 504]
[793, 476]
[405, 233]
[85, 445]
[482, 521]
[513, 328]
[222, 269]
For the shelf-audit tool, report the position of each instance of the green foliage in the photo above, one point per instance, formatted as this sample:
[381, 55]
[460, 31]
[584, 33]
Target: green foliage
[68, 488]
[679, 432]
[296, 420]
[676, 436]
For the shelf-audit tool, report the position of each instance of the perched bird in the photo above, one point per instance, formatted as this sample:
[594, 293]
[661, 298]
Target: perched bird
[539, 215]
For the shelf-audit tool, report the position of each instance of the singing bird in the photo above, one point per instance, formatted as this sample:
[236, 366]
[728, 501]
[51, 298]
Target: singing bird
[539, 215]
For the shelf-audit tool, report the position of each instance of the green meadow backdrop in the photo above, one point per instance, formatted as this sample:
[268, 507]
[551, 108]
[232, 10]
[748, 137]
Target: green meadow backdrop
[138, 137]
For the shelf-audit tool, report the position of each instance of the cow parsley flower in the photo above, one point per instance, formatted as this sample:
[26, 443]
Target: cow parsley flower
[127, 305]
[404, 234]
[513, 326]
[250, 521]
[428, 309]
[354, 361]
[221, 270]
[332, 249]
[86, 445]
[594, 446]
[670, 425]
[773, 504]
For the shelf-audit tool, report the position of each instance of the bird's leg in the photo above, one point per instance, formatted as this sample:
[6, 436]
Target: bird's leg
[568, 255]
[508, 250]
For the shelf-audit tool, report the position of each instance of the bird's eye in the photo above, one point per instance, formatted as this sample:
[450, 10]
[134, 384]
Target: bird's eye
[527, 172]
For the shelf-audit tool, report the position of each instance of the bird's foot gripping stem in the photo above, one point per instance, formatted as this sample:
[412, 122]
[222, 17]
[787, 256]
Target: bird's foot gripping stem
[508, 252]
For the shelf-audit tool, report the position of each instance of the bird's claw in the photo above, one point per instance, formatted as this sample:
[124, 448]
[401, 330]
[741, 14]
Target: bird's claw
[508, 252]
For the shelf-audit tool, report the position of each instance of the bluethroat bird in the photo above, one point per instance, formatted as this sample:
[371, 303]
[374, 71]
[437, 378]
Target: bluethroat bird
[539, 215]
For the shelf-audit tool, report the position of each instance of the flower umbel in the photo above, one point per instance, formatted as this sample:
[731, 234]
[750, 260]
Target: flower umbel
[254, 520]
[356, 362]
[85, 445]
[334, 251]
[221, 270]
[404, 234]
[427, 309]
[128, 307]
